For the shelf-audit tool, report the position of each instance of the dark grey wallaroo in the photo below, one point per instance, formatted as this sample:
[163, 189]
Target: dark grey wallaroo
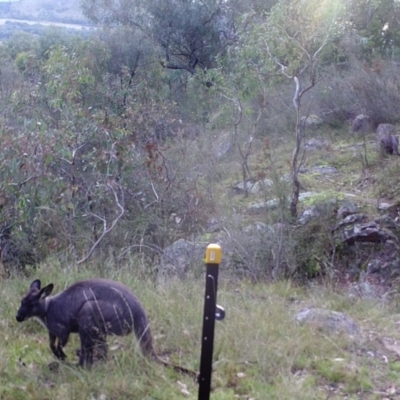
[93, 308]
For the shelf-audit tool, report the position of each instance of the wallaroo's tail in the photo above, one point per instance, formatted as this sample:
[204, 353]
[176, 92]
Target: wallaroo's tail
[143, 333]
[193, 374]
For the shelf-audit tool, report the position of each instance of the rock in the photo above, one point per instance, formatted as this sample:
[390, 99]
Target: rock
[213, 225]
[253, 187]
[385, 129]
[306, 195]
[324, 169]
[311, 121]
[374, 266]
[351, 220]
[347, 208]
[369, 232]
[274, 203]
[309, 214]
[260, 186]
[177, 258]
[314, 144]
[385, 221]
[328, 321]
[389, 143]
[389, 207]
[362, 123]
[263, 206]
[363, 290]
[317, 210]
[387, 270]
[223, 145]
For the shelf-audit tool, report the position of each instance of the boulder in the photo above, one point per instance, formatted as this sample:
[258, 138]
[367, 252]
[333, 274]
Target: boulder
[177, 258]
[314, 144]
[347, 208]
[328, 321]
[362, 123]
[388, 141]
[311, 121]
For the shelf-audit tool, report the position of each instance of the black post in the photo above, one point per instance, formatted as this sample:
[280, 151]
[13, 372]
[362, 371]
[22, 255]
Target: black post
[212, 259]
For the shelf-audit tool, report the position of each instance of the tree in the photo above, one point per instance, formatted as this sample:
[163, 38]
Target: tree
[190, 34]
[377, 24]
[294, 39]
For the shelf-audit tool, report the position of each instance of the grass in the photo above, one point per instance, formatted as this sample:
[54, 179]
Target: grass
[259, 353]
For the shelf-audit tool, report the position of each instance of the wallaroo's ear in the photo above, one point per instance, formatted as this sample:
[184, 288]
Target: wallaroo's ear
[36, 284]
[46, 291]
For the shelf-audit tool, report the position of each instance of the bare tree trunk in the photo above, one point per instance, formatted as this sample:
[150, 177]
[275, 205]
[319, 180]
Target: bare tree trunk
[296, 151]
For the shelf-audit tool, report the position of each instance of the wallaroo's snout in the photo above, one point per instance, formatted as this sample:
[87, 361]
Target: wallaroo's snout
[19, 317]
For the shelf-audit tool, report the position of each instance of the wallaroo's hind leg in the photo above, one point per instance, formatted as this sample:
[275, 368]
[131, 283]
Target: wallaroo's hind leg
[56, 345]
[101, 348]
[86, 351]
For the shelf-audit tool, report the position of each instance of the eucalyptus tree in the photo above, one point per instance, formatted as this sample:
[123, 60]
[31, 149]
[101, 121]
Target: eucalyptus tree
[291, 42]
[191, 34]
[299, 35]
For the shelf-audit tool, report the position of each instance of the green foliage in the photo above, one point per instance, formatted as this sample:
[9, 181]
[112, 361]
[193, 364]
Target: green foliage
[20, 43]
[377, 24]
[296, 34]
[190, 34]
[66, 77]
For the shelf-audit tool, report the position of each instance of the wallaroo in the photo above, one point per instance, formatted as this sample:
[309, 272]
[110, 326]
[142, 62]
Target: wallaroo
[93, 308]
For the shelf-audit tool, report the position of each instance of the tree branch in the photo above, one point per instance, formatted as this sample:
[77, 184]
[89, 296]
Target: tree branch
[105, 229]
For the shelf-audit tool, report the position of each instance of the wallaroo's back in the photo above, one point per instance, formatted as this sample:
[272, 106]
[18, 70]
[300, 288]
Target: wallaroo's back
[108, 305]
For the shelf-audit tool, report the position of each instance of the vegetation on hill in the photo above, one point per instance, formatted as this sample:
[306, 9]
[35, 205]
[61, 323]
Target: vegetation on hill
[118, 144]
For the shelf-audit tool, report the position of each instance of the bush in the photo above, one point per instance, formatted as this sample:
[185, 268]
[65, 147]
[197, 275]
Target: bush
[359, 88]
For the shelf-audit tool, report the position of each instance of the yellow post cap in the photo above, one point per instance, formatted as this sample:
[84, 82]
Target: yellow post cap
[213, 254]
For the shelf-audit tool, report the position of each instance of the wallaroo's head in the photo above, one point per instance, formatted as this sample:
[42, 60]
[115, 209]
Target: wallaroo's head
[32, 304]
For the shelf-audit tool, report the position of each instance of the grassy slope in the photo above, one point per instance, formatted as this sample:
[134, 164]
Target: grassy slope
[260, 352]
